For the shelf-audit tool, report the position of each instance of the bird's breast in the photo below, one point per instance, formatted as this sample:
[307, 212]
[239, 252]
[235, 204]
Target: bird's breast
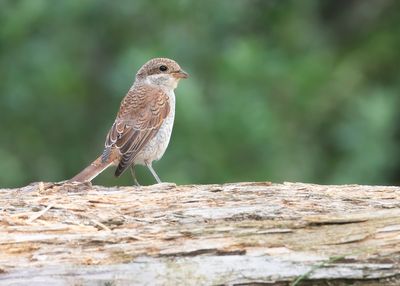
[156, 147]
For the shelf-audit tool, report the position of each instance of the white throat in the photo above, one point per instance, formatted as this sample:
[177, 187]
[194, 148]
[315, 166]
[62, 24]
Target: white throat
[164, 81]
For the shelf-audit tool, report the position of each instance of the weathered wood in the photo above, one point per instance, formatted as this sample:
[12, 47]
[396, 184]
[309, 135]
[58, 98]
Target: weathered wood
[65, 234]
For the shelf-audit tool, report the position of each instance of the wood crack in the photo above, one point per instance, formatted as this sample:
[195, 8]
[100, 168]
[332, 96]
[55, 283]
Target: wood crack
[237, 233]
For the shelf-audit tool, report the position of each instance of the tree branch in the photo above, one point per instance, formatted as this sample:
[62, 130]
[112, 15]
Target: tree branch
[200, 234]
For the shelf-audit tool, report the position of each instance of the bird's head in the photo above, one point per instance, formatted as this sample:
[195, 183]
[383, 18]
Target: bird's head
[161, 72]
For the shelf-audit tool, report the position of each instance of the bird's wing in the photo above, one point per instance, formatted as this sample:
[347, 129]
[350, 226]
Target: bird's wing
[141, 114]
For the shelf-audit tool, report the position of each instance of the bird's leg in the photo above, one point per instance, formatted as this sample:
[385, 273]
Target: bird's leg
[134, 175]
[148, 164]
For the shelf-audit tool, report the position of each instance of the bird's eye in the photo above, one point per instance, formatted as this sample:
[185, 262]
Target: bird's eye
[163, 68]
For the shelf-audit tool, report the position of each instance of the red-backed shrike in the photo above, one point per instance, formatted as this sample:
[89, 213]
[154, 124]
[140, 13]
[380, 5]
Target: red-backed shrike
[142, 130]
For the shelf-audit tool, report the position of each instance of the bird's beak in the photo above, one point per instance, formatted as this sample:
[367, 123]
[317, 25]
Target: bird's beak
[181, 74]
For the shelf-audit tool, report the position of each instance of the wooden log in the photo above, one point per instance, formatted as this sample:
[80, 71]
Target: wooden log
[241, 233]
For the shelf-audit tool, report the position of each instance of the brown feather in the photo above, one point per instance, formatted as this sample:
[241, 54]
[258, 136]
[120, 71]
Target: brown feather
[96, 167]
[141, 115]
[142, 112]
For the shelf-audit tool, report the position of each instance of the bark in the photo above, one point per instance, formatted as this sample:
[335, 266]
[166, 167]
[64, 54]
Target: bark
[241, 233]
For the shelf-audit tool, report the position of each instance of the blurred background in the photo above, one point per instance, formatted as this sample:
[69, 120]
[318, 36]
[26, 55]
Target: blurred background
[280, 90]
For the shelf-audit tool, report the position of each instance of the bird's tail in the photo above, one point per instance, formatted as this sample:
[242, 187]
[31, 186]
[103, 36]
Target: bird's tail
[95, 168]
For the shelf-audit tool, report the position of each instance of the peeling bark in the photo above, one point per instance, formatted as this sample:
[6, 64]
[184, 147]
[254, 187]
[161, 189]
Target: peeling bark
[242, 233]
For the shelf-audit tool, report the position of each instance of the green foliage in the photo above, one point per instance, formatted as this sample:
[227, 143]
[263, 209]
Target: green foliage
[279, 90]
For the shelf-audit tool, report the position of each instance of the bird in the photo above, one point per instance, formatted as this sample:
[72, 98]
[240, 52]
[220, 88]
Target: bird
[142, 128]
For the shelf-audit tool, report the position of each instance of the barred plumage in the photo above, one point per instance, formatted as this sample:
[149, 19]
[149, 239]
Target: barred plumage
[142, 129]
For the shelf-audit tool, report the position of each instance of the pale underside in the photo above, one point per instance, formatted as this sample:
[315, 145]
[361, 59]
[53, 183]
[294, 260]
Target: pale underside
[156, 147]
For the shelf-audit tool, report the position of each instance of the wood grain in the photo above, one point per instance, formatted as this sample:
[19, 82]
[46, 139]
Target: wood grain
[240, 233]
